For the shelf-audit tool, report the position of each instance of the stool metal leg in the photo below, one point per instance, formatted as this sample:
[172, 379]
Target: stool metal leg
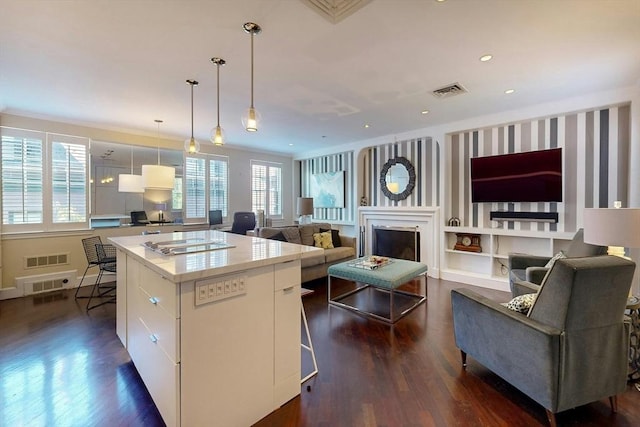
[309, 346]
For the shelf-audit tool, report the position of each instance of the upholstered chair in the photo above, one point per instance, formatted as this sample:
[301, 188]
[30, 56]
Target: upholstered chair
[571, 349]
[533, 268]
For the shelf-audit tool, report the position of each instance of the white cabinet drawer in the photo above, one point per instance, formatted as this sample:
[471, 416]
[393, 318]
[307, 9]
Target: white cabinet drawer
[164, 327]
[159, 373]
[164, 291]
[287, 274]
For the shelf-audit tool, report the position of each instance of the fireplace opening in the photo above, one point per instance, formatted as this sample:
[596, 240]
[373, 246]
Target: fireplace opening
[396, 242]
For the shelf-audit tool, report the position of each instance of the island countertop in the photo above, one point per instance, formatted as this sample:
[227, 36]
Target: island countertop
[245, 253]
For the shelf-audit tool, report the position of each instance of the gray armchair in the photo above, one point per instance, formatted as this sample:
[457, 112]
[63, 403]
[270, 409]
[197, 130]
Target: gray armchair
[572, 347]
[531, 268]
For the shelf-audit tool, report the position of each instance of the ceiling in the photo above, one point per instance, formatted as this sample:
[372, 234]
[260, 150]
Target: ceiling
[119, 65]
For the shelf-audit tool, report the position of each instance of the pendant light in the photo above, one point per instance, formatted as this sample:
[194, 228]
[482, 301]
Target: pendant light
[217, 134]
[252, 118]
[130, 183]
[157, 177]
[192, 146]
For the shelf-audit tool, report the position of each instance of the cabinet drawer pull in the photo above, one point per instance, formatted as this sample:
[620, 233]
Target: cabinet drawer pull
[153, 338]
[153, 300]
[287, 290]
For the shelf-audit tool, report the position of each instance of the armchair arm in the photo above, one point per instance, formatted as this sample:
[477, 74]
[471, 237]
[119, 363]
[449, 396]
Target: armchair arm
[536, 274]
[522, 261]
[522, 287]
[524, 352]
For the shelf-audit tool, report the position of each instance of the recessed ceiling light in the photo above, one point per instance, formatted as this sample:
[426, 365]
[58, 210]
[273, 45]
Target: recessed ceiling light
[290, 145]
[424, 112]
[509, 91]
[366, 126]
[485, 58]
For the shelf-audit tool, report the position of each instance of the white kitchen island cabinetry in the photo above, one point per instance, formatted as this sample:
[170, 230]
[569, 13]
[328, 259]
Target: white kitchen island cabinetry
[215, 335]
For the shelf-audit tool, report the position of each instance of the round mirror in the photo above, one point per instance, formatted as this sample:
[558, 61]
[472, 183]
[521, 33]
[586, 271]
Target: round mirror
[397, 178]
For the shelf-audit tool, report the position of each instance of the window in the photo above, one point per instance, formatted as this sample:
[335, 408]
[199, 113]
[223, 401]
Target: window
[266, 188]
[204, 172]
[218, 177]
[176, 194]
[44, 181]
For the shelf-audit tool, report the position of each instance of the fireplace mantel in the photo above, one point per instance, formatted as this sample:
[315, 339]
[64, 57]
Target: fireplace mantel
[425, 218]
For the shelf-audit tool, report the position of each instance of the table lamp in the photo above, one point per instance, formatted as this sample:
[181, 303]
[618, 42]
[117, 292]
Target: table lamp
[305, 209]
[617, 228]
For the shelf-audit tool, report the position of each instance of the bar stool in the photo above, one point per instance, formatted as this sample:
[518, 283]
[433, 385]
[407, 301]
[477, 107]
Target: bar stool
[309, 346]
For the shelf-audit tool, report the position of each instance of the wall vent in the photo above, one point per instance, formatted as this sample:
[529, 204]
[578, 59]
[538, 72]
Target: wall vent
[47, 285]
[449, 91]
[46, 260]
[41, 283]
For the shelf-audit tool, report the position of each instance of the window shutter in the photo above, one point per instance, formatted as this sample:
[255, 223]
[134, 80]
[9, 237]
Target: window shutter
[22, 177]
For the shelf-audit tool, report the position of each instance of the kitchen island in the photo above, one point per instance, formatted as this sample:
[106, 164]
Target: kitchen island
[211, 321]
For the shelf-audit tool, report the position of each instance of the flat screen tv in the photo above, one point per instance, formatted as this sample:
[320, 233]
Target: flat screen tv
[533, 176]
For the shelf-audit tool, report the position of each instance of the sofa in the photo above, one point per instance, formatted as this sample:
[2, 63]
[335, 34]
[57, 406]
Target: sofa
[315, 266]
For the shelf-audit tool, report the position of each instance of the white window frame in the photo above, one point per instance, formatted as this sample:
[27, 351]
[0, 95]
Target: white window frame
[207, 159]
[48, 140]
[268, 194]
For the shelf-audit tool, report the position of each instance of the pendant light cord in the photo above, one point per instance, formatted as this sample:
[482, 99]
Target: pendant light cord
[252, 33]
[191, 111]
[218, 92]
[158, 139]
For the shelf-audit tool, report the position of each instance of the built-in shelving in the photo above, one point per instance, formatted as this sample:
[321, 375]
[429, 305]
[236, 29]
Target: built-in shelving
[489, 268]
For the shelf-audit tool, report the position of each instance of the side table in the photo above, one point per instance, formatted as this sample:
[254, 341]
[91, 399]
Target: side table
[633, 311]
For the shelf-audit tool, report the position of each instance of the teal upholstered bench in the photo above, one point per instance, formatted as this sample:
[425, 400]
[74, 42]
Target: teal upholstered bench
[376, 293]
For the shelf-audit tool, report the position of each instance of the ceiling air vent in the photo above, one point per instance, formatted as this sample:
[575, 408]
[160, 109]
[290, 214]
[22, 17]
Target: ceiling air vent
[336, 10]
[449, 91]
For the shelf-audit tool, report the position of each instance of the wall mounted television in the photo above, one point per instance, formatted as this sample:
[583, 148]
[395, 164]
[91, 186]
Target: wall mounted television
[532, 176]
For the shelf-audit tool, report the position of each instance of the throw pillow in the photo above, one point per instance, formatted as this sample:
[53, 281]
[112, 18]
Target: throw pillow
[279, 236]
[553, 260]
[323, 240]
[292, 235]
[521, 303]
[335, 237]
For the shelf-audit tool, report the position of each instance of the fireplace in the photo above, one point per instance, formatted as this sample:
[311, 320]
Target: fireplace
[421, 220]
[396, 242]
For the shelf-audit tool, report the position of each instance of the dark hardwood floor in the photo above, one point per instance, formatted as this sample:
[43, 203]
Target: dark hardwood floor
[62, 367]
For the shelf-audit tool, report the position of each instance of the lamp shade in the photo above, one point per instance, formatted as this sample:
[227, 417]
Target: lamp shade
[612, 227]
[304, 206]
[157, 177]
[160, 206]
[129, 183]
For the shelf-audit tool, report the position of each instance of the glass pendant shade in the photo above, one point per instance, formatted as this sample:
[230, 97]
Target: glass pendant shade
[157, 177]
[129, 183]
[251, 120]
[191, 146]
[217, 135]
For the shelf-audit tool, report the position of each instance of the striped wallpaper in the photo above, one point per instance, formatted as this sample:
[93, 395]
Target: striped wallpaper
[331, 163]
[596, 152]
[424, 154]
